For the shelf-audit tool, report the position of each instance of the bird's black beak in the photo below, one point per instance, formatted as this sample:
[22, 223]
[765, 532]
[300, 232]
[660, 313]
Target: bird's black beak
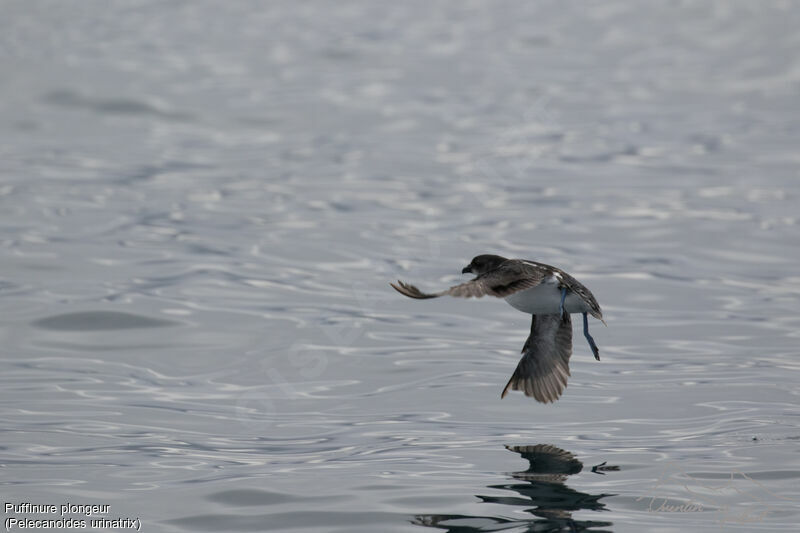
[466, 270]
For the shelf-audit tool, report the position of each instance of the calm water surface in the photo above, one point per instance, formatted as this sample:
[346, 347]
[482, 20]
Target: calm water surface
[202, 204]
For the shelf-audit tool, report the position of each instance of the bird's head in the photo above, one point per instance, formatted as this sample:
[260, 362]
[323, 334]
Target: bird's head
[483, 263]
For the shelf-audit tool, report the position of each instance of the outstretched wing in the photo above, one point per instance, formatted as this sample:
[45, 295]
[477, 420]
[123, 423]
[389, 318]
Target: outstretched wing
[508, 278]
[544, 368]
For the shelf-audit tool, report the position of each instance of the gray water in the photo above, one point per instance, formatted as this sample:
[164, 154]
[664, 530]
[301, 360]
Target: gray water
[202, 205]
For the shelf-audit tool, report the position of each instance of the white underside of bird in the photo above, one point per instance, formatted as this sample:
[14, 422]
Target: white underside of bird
[545, 299]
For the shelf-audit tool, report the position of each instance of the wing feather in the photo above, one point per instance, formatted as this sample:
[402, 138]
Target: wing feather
[544, 368]
[510, 277]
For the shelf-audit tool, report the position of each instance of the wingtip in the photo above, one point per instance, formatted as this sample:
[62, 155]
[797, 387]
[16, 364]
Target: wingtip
[507, 388]
[409, 290]
[399, 287]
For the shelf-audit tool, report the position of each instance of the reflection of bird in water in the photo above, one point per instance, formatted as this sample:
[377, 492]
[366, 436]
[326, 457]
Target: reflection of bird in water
[549, 294]
[547, 463]
[544, 494]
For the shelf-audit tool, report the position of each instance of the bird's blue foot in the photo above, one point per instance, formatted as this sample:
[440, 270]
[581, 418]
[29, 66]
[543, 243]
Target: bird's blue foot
[589, 338]
[561, 305]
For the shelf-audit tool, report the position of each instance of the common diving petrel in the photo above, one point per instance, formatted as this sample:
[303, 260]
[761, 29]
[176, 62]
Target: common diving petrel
[549, 294]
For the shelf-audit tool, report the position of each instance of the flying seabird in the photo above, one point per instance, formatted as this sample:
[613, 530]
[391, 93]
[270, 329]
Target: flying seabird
[549, 294]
